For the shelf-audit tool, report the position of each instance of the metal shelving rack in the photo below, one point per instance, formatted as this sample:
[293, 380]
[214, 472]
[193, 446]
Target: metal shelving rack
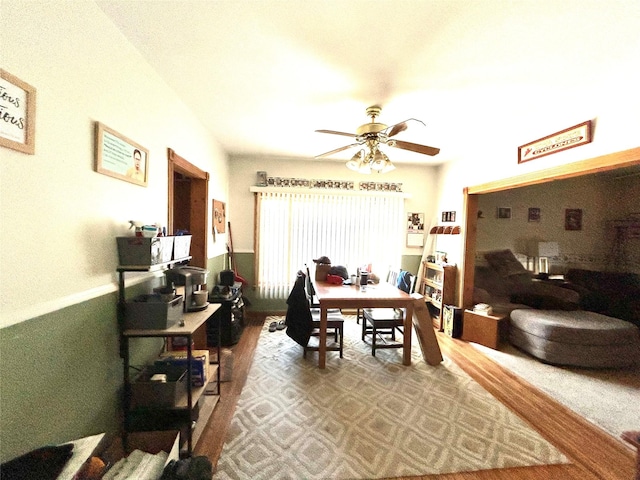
[191, 322]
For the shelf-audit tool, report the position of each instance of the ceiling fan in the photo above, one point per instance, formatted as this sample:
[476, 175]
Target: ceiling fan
[371, 135]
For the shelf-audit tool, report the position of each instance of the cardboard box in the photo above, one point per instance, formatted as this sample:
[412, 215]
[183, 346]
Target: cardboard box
[169, 394]
[150, 312]
[141, 251]
[199, 366]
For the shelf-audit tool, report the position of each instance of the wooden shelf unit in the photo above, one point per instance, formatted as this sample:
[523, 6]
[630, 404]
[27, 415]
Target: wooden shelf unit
[438, 286]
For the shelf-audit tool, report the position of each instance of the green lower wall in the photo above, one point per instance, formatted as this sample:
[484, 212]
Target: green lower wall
[61, 374]
[244, 262]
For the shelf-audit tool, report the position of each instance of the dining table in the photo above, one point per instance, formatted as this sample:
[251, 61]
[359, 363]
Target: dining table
[380, 295]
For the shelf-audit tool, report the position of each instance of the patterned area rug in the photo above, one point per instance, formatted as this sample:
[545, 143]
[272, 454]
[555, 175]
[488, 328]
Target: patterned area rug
[366, 417]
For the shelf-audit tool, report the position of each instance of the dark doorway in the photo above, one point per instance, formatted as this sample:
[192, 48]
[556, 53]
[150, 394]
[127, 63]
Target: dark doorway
[188, 201]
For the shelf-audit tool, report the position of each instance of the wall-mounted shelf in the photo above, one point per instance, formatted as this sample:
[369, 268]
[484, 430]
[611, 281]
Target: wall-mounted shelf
[445, 230]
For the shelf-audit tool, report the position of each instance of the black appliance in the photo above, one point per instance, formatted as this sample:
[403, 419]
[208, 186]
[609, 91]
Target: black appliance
[227, 278]
[230, 315]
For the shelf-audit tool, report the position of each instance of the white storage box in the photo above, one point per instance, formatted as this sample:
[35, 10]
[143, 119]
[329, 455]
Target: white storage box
[181, 246]
[150, 312]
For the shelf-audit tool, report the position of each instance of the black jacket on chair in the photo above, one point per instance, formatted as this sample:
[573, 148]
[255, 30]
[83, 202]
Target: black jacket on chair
[298, 319]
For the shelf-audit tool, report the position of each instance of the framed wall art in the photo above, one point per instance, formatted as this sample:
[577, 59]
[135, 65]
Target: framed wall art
[18, 112]
[415, 229]
[573, 219]
[556, 142]
[219, 217]
[449, 216]
[119, 157]
[503, 212]
[534, 214]
[441, 257]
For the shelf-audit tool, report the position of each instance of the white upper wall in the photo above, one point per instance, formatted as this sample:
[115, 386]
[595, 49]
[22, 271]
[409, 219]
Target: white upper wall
[419, 182]
[59, 217]
[607, 93]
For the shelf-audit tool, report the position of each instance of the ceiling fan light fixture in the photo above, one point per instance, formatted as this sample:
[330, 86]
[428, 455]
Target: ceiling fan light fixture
[370, 136]
[381, 163]
[364, 168]
[374, 161]
[356, 161]
[378, 160]
[388, 167]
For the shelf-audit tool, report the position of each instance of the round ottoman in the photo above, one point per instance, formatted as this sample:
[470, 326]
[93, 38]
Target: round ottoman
[578, 338]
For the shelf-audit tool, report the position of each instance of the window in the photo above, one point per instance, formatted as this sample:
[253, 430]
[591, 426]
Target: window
[351, 229]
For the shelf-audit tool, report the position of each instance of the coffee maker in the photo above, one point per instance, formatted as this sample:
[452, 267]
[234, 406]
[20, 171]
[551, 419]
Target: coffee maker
[193, 279]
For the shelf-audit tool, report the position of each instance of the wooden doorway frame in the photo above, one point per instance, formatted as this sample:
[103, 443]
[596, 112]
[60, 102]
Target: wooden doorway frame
[624, 158]
[198, 209]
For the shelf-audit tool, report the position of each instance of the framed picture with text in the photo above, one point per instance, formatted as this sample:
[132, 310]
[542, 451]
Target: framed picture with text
[18, 108]
[119, 157]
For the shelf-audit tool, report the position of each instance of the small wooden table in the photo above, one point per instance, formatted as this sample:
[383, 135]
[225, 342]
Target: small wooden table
[354, 297]
[486, 330]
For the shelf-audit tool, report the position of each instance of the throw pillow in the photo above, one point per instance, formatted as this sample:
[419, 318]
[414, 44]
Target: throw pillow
[505, 263]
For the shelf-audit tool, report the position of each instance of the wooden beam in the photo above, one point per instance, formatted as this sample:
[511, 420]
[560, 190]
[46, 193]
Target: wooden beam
[625, 158]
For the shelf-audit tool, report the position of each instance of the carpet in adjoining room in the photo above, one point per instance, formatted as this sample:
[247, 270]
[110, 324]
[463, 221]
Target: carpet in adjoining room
[366, 417]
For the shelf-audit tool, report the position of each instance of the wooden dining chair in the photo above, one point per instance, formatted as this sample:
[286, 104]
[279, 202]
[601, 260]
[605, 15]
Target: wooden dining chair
[335, 329]
[335, 322]
[383, 323]
[392, 279]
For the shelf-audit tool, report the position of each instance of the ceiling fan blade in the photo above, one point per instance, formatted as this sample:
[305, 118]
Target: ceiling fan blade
[414, 147]
[397, 128]
[337, 133]
[336, 150]
[401, 127]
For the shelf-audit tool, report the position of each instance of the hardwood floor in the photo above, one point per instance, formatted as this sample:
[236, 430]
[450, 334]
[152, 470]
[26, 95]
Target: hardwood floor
[594, 454]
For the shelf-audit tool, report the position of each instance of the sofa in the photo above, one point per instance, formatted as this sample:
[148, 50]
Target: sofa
[615, 294]
[566, 322]
[506, 285]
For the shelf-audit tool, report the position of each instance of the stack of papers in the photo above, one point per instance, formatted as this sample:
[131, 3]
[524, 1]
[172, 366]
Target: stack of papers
[139, 466]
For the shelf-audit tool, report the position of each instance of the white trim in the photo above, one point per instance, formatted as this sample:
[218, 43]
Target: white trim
[51, 306]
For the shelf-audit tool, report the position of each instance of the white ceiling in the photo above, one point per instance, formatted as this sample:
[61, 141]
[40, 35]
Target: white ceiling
[264, 74]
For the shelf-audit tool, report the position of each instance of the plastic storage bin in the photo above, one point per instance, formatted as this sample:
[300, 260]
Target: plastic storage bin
[140, 251]
[169, 394]
[150, 312]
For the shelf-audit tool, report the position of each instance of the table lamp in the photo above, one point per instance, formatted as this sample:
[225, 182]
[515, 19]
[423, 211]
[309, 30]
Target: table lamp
[546, 250]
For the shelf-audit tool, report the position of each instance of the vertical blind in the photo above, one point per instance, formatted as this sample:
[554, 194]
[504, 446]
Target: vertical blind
[352, 230]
